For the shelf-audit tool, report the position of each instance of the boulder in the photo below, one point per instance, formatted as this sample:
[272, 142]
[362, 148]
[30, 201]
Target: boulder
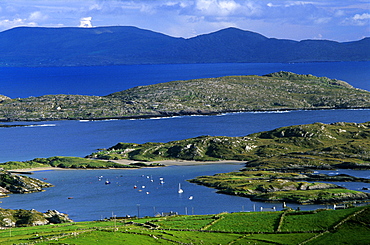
[55, 217]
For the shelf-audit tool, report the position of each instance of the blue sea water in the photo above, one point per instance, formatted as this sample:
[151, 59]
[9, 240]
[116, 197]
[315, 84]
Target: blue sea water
[21, 82]
[91, 198]
[76, 138]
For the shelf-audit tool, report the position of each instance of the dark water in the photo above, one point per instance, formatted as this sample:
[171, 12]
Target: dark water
[102, 80]
[92, 199]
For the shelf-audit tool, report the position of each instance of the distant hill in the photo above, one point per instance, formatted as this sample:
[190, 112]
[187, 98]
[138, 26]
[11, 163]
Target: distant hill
[37, 46]
[275, 91]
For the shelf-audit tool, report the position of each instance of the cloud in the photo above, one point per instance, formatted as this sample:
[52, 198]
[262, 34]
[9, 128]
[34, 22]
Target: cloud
[7, 23]
[37, 16]
[358, 20]
[185, 18]
[85, 22]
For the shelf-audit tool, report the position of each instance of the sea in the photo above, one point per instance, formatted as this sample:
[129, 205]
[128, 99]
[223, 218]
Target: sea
[84, 195]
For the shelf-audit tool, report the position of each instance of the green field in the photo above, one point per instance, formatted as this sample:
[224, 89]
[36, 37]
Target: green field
[347, 226]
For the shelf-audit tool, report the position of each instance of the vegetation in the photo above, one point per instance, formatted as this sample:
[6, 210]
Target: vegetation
[279, 187]
[295, 148]
[65, 162]
[276, 91]
[300, 148]
[348, 226]
[13, 183]
[21, 217]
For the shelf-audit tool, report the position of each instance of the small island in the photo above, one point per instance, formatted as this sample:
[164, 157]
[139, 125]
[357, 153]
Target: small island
[208, 96]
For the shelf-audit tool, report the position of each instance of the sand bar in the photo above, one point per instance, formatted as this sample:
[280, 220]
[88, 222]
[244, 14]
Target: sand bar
[180, 162]
[127, 162]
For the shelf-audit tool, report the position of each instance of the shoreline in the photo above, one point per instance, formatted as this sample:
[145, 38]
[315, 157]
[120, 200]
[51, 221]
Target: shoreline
[179, 114]
[166, 163]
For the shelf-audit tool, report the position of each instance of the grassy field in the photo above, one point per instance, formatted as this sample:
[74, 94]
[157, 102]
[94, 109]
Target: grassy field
[64, 162]
[348, 226]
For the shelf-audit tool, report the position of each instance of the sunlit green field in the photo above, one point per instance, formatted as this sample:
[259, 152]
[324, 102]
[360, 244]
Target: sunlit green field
[347, 226]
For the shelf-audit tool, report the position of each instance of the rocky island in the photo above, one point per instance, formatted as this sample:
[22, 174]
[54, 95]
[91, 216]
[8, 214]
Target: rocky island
[275, 91]
[282, 187]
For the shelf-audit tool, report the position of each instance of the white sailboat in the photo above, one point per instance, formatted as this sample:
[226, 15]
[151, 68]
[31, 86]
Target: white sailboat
[180, 190]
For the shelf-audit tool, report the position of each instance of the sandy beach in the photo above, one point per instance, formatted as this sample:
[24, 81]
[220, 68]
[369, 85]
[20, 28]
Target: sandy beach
[180, 162]
[127, 162]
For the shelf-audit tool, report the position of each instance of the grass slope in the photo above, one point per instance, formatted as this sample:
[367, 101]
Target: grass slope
[311, 146]
[349, 226]
[276, 91]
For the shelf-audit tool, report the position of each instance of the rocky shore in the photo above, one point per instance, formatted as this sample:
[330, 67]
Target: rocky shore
[271, 186]
[14, 183]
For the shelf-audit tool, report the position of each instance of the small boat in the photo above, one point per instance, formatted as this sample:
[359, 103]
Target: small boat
[180, 190]
[191, 198]
[70, 197]
[135, 187]
[107, 182]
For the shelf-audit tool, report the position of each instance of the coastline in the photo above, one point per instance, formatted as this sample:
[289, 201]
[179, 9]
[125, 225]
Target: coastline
[165, 163]
[177, 114]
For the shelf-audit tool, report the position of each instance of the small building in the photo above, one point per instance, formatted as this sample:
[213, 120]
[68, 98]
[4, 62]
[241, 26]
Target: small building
[268, 209]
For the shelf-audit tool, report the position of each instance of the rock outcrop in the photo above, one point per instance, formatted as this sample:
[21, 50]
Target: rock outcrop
[14, 183]
[21, 217]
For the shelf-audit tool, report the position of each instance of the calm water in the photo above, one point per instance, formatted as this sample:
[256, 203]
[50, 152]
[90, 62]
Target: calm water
[91, 198]
[74, 138]
[103, 80]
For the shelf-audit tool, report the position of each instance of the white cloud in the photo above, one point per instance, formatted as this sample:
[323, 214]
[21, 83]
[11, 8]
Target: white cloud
[364, 16]
[186, 18]
[85, 22]
[37, 16]
[358, 20]
[6, 24]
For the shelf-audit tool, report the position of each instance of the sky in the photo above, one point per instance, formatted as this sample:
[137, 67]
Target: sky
[338, 20]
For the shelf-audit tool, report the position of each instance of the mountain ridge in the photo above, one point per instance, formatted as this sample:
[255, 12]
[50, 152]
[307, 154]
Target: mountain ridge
[125, 45]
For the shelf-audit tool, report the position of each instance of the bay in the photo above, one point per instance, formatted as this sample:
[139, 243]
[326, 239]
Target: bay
[84, 195]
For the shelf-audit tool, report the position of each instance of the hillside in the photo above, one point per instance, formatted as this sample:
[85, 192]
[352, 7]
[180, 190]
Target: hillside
[346, 226]
[294, 148]
[121, 45]
[276, 91]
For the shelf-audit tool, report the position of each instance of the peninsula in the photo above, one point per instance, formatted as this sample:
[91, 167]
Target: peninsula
[275, 161]
[275, 91]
